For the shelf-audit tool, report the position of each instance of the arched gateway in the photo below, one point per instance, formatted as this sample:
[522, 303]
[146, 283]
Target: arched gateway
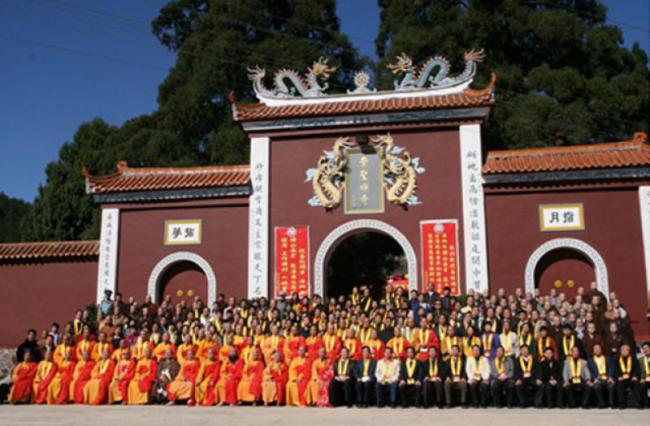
[182, 256]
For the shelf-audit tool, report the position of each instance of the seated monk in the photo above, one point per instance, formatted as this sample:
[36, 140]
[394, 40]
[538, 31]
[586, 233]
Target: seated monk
[299, 375]
[231, 372]
[182, 388]
[145, 374]
[167, 371]
[162, 348]
[82, 374]
[96, 390]
[274, 380]
[205, 393]
[59, 389]
[124, 371]
[250, 385]
[44, 374]
[319, 368]
[23, 376]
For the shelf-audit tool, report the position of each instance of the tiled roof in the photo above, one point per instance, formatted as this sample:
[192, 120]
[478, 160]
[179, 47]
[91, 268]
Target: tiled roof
[54, 249]
[133, 179]
[468, 98]
[632, 153]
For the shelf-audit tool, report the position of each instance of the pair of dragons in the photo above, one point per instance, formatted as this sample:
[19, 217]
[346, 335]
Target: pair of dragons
[400, 171]
[321, 70]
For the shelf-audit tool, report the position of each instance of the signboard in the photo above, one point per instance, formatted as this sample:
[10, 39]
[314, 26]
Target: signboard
[561, 217]
[258, 219]
[108, 242]
[182, 232]
[291, 260]
[439, 245]
[364, 181]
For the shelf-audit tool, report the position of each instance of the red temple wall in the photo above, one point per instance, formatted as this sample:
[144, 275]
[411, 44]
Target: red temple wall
[35, 294]
[439, 189]
[612, 228]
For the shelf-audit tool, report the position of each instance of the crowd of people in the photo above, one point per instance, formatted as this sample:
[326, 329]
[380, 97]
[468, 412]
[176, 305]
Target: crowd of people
[422, 349]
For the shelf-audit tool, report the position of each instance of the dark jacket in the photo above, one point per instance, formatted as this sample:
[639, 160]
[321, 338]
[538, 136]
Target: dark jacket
[417, 372]
[31, 346]
[550, 370]
[593, 368]
[358, 369]
[448, 372]
[519, 372]
[349, 371]
[618, 372]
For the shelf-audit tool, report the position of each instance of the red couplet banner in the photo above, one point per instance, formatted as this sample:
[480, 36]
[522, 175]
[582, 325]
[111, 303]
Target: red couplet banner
[439, 241]
[291, 260]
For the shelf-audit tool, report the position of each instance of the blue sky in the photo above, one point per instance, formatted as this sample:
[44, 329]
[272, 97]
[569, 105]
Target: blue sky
[49, 84]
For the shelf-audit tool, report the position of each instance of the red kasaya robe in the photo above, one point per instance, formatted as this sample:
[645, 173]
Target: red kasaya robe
[183, 385]
[206, 383]
[23, 376]
[123, 374]
[66, 373]
[231, 373]
[44, 374]
[105, 369]
[82, 374]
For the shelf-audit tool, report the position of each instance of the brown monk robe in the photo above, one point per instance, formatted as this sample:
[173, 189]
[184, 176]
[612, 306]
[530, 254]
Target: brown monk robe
[45, 372]
[168, 369]
[299, 374]
[182, 388]
[118, 390]
[250, 385]
[23, 376]
[96, 390]
[205, 393]
[274, 381]
[231, 372]
[82, 374]
[59, 389]
[318, 367]
[145, 374]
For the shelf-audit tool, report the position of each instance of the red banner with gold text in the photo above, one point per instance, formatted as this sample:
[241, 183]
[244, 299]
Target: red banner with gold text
[439, 241]
[291, 260]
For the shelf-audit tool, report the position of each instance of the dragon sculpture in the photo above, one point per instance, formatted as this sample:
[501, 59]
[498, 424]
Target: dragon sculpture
[400, 171]
[309, 86]
[327, 178]
[426, 78]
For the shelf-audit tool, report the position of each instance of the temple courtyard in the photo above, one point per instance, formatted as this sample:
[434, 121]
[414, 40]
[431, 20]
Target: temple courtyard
[243, 416]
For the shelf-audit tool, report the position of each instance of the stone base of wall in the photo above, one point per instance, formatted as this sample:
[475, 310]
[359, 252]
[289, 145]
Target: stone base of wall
[6, 361]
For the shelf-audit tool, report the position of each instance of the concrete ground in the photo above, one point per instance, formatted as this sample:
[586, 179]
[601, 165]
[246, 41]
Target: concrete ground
[243, 416]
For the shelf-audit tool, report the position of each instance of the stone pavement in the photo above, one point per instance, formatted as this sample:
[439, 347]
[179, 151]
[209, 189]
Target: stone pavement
[243, 416]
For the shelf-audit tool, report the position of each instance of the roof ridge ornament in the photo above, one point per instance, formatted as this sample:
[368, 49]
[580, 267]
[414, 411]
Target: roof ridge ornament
[310, 86]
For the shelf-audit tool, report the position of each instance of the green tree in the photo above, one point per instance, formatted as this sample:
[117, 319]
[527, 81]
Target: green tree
[564, 76]
[12, 212]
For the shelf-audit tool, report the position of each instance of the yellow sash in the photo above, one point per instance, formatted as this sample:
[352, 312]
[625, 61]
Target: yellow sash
[456, 365]
[626, 367]
[601, 365]
[433, 368]
[576, 370]
[366, 367]
[343, 366]
[526, 367]
[410, 370]
[568, 348]
[499, 364]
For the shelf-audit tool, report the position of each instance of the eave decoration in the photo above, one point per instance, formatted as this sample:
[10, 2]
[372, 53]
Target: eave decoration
[400, 173]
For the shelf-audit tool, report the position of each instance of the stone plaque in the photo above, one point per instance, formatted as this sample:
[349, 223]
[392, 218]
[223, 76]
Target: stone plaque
[364, 181]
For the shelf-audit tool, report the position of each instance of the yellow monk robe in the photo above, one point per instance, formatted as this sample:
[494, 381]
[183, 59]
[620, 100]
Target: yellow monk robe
[398, 346]
[354, 348]
[229, 377]
[204, 348]
[313, 343]
[224, 352]
[45, 372]
[22, 377]
[84, 346]
[205, 393]
[318, 368]
[137, 351]
[96, 390]
[291, 346]
[182, 350]
[160, 350]
[250, 385]
[274, 382]
[61, 350]
[118, 390]
[117, 355]
[82, 374]
[59, 389]
[269, 344]
[140, 385]
[299, 375]
[99, 349]
[182, 387]
[332, 344]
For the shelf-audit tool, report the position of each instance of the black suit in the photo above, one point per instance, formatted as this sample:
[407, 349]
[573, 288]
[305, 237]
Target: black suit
[551, 370]
[526, 383]
[341, 390]
[450, 385]
[623, 384]
[432, 389]
[365, 383]
[410, 382]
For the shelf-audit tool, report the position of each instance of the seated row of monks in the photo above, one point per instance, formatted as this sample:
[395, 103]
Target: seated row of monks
[318, 379]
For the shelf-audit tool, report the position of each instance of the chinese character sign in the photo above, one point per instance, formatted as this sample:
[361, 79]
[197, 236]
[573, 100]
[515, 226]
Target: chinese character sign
[291, 260]
[180, 232]
[364, 189]
[439, 243]
[561, 217]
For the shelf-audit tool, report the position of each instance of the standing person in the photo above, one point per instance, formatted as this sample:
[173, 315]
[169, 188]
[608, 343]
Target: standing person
[478, 376]
[82, 374]
[410, 379]
[364, 374]
[45, 372]
[432, 381]
[576, 376]
[527, 381]
[23, 377]
[275, 379]
[545, 341]
[182, 387]
[501, 379]
[341, 387]
[627, 377]
[96, 390]
[456, 379]
[387, 376]
[145, 374]
[489, 340]
[106, 304]
[250, 385]
[29, 345]
[167, 370]
[601, 369]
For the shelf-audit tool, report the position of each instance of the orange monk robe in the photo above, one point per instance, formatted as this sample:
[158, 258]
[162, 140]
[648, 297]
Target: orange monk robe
[377, 348]
[333, 346]
[160, 350]
[182, 350]
[318, 368]
[45, 372]
[59, 390]
[140, 385]
[137, 351]
[99, 349]
[299, 375]
[224, 352]
[206, 382]
[61, 350]
[240, 342]
[182, 387]
[427, 339]
[398, 345]
[365, 335]
[270, 344]
[246, 354]
[117, 355]
[23, 378]
[274, 382]
[204, 347]
[231, 373]
[354, 348]
[84, 346]
[313, 343]
[291, 346]
[82, 374]
[96, 390]
[250, 385]
[118, 390]
[412, 337]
